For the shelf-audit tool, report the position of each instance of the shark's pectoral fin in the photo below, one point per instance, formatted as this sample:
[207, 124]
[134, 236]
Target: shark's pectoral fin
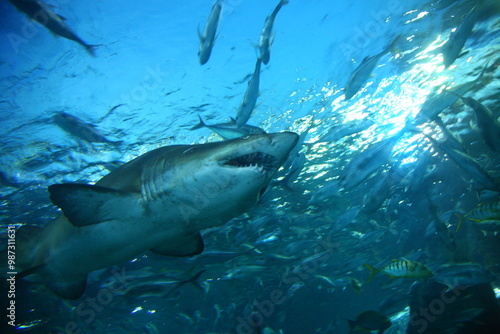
[185, 246]
[85, 204]
[66, 288]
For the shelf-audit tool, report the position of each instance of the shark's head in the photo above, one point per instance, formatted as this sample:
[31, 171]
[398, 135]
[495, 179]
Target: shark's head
[212, 183]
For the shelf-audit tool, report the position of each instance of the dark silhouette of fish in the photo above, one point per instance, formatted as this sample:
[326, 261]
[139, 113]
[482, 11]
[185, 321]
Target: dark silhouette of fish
[41, 13]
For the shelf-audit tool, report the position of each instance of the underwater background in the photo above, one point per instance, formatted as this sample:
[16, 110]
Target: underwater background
[310, 235]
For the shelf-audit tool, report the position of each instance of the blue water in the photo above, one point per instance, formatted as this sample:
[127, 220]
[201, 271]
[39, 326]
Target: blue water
[145, 87]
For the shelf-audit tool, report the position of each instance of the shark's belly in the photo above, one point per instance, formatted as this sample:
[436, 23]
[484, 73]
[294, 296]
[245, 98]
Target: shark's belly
[76, 251]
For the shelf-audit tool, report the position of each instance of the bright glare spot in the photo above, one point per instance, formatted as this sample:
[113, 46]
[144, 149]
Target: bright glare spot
[137, 309]
[419, 16]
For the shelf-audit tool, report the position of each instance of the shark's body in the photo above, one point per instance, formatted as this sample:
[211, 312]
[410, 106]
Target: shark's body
[159, 201]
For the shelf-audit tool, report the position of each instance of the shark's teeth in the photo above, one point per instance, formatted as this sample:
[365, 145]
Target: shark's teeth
[259, 160]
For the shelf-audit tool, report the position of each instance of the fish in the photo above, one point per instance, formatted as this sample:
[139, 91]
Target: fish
[377, 194]
[268, 237]
[294, 288]
[361, 74]
[401, 269]
[211, 257]
[488, 124]
[250, 98]
[483, 212]
[435, 103]
[293, 172]
[242, 272]
[456, 42]
[230, 130]
[367, 162]
[159, 201]
[463, 275]
[207, 39]
[80, 129]
[159, 285]
[330, 190]
[369, 321]
[466, 162]
[266, 37]
[345, 129]
[41, 13]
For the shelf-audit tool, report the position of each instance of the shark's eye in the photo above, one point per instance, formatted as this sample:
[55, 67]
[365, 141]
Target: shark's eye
[258, 159]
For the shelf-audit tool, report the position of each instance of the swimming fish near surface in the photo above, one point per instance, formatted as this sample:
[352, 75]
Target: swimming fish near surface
[266, 37]
[250, 98]
[456, 42]
[207, 39]
[230, 130]
[361, 74]
[80, 129]
[41, 13]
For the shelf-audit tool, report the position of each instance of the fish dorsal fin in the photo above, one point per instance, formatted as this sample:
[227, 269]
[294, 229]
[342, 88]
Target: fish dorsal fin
[188, 245]
[85, 204]
[200, 34]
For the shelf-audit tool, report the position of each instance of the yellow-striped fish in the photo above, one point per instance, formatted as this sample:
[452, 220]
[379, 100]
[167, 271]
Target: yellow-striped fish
[401, 269]
[483, 212]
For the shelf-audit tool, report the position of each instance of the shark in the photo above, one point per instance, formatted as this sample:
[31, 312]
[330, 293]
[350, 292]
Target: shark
[158, 202]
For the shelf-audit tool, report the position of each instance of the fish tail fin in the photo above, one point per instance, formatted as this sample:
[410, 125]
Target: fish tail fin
[201, 124]
[90, 49]
[373, 271]
[352, 325]
[460, 221]
[195, 280]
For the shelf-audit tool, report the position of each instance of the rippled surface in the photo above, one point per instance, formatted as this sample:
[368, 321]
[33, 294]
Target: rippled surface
[146, 88]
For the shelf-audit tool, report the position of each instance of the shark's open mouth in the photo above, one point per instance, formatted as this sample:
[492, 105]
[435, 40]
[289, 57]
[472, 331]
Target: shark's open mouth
[260, 160]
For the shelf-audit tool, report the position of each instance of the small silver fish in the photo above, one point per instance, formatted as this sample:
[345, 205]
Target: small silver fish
[207, 39]
[267, 33]
[250, 98]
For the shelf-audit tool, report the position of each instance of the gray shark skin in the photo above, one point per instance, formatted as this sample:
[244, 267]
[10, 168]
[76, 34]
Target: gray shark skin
[159, 201]
[41, 13]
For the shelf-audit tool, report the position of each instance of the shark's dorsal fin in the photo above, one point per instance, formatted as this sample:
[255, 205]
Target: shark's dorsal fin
[85, 204]
[183, 246]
